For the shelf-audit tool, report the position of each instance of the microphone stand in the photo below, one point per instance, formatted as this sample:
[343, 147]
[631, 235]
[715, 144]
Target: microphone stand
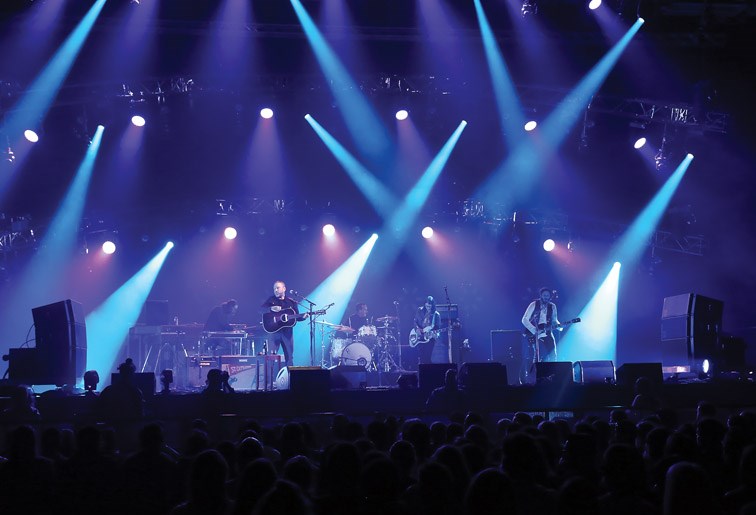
[309, 308]
[449, 322]
[399, 333]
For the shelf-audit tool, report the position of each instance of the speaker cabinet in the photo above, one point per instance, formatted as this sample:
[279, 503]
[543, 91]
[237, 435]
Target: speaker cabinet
[431, 375]
[554, 372]
[61, 342]
[628, 373]
[593, 372]
[348, 377]
[197, 369]
[506, 348]
[482, 376]
[690, 327]
[309, 381]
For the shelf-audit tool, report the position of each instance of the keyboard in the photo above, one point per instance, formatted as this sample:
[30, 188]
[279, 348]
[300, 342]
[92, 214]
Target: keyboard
[224, 334]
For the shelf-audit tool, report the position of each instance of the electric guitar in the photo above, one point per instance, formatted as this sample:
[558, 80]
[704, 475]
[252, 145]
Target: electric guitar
[418, 336]
[544, 330]
[274, 321]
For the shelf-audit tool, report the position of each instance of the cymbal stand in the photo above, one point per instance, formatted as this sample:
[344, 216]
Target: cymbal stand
[385, 361]
[398, 333]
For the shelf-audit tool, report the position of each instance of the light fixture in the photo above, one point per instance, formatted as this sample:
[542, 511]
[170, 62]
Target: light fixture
[639, 143]
[230, 233]
[266, 112]
[529, 7]
[594, 4]
[31, 136]
[549, 245]
[531, 125]
[329, 230]
[427, 232]
[138, 120]
[108, 247]
[402, 114]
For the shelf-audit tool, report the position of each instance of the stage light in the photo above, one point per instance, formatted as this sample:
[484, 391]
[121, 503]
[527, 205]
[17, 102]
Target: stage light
[138, 121]
[427, 232]
[639, 143]
[594, 4]
[529, 7]
[31, 136]
[108, 247]
[266, 112]
[230, 233]
[532, 124]
[549, 245]
[329, 230]
[690, 156]
[705, 366]
[169, 245]
[402, 114]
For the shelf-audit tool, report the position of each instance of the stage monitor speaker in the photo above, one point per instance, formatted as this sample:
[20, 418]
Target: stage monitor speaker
[482, 376]
[431, 375]
[593, 372]
[154, 312]
[23, 367]
[61, 342]
[145, 381]
[348, 377]
[309, 381]
[506, 348]
[628, 373]
[407, 381]
[554, 372]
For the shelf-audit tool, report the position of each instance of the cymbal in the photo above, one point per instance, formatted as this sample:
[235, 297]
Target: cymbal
[323, 322]
[387, 318]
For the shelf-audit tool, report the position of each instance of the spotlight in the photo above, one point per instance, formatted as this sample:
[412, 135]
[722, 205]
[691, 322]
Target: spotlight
[639, 143]
[266, 112]
[169, 245]
[138, 121]
[529, 7]
[427, 232]
[108, 247]
[31, 136]
[402, 114]
[549, 245]
[329, 230]
[594, 4]
[230, 233]
[532, 124]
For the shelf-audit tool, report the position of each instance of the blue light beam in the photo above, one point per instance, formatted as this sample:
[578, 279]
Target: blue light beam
[595, 337]
[337, 288]
[382, 200]
[108, 325]
[36, 102]
[368, 132]
[632, 244]
[510, 110]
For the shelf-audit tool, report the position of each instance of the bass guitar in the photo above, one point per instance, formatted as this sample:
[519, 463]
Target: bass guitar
[274, 321]
[544, 330]
[418, 336]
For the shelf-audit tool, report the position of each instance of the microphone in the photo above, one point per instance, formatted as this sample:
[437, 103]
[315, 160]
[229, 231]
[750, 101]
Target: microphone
[293, 292]
[396, 303]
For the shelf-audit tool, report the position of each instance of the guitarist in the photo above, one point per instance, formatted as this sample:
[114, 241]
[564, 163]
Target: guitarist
[285, 336]
[539, 344]
[427, 319]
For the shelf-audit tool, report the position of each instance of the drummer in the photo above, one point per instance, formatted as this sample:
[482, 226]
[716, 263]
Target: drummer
[359, 318]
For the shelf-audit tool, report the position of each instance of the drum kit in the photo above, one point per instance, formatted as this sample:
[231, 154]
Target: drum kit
[374, 347]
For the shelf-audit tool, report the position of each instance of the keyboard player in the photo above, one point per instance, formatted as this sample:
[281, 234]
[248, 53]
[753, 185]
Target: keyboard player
[219, 321]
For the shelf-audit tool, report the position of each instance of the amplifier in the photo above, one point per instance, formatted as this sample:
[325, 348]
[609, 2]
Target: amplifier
[196, 371]
[251, 372]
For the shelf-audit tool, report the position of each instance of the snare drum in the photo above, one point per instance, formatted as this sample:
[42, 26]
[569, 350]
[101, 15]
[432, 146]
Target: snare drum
[337, 348]
[357, 354]
[367, 334]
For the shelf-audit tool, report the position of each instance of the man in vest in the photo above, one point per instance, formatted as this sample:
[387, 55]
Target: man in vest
[540, 319]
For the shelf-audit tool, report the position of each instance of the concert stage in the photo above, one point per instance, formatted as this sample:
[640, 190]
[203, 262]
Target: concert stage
[571, 398]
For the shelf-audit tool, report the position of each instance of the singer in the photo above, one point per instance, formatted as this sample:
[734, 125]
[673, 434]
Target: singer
[284, 337]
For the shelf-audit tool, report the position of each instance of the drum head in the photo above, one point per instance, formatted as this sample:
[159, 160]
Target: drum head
[357, 354]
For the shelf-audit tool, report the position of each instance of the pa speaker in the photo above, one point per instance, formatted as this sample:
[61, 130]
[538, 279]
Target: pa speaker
[348, 377]
[593, 372]
[482, 376]
[554, 372]
[506, 348]
[431, 375]
[628, 373]
[61, 342]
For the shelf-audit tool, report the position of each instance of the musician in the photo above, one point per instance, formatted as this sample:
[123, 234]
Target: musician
[220, 320]
[284, 337]
[540, 320]
[427, 319]
[359, 318]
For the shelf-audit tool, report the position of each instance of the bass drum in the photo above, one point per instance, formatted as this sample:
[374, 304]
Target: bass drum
[337, 348]
[357, 354]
